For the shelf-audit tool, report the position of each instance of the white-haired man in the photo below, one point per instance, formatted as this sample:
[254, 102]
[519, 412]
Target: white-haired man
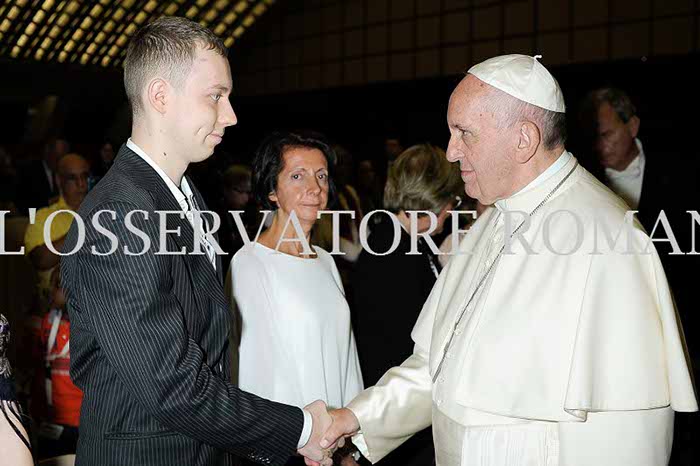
[540, 344]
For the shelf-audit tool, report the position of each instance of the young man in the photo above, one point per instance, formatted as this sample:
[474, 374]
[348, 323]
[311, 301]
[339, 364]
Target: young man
[150, 330]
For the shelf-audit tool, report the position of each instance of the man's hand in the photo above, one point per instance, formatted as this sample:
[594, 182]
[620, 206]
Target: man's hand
[345, 424]
[313, 453]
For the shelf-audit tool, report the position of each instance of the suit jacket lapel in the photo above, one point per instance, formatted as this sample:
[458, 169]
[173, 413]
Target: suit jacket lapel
[211, 274]
[201, 271]
[203, 206]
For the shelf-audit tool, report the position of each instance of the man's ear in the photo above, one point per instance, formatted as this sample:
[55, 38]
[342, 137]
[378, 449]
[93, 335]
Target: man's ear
[157, 94]
[633, 126]
[529, 139]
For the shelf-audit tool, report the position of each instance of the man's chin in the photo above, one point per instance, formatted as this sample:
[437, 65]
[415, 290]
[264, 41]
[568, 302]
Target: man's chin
[201, 157]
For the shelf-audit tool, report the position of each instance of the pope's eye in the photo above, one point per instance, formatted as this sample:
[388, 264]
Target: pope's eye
[216, 97]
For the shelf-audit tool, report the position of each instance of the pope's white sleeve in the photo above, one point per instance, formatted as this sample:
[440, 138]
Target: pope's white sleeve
[400, 404]
[396, 408]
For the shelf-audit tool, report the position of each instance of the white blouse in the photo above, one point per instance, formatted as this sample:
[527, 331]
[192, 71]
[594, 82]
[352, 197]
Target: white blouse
[296, 342]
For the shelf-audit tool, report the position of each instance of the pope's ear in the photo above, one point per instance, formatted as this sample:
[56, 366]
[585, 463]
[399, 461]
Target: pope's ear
[529, 139]
[157, 95]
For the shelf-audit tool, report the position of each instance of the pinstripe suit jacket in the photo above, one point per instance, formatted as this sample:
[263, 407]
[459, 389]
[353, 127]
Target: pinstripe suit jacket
[149, 336]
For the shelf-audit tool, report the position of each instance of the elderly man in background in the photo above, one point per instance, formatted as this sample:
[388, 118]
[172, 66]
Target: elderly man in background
[72, 179]
[649, 179]
[558, 350]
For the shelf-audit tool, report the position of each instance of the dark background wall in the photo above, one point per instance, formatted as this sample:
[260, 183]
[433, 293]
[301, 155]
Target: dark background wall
[356, 69]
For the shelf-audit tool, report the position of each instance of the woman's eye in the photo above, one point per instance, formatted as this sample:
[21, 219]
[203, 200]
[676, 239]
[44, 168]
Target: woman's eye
[296, 176]
[322, 176]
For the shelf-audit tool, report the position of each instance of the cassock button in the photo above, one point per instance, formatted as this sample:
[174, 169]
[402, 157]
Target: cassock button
[438, 402]
[441, 379]
[457, 332]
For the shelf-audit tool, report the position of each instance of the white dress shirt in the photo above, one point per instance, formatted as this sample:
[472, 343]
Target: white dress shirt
[628, 183]
[184, 197]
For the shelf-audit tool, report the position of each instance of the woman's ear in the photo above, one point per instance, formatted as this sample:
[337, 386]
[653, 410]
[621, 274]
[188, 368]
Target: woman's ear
[273, 197]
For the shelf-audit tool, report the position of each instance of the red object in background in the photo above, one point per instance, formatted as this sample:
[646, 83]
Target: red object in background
[66, 397]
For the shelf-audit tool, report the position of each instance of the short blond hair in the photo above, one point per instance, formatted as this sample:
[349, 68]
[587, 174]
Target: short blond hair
[166, 46]
[421, 178]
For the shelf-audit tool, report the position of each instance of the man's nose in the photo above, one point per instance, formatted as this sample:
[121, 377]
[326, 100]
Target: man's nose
[228, 117]
[454, 153]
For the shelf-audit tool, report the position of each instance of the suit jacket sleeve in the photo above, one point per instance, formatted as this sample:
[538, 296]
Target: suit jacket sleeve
[140, 327]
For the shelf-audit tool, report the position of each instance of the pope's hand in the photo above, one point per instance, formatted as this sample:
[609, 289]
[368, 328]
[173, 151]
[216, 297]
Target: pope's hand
[345, 424]
[321, 422]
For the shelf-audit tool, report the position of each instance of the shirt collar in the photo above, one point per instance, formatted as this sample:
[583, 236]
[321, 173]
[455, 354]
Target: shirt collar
[534, 192]
[635, 167]
[181, 193]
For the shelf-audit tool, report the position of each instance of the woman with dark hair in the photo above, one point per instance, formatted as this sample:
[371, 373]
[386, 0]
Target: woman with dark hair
[295, 339]
[14, 441]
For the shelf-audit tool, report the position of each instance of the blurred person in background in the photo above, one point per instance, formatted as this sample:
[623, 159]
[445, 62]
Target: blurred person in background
[104, 161]
[651, 180]
[390, 289]
[15, 448]
[8, 182]
[72, 179]
[236, 196]
[292, 301]
[38, 185]
[58, 434]
[348, 227]
[370, 188]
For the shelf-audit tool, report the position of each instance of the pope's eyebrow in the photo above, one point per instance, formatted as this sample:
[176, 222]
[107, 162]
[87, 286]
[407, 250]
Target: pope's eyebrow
[461, 128]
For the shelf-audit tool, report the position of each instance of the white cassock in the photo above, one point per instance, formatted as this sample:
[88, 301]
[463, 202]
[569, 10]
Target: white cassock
[560, 359]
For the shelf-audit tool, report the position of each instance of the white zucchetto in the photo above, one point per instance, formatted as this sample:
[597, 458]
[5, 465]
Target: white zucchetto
[522, 77]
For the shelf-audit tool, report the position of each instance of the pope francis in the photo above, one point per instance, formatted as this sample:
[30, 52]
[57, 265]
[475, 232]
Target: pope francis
[543, 342]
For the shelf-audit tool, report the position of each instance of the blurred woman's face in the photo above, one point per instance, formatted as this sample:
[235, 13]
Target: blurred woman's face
[302, 185]
[423, 223]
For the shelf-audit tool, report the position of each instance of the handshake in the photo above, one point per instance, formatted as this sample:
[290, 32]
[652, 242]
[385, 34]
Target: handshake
[330, 428]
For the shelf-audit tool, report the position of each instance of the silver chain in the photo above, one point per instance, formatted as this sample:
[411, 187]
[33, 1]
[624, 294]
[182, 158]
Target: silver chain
[488, 271]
